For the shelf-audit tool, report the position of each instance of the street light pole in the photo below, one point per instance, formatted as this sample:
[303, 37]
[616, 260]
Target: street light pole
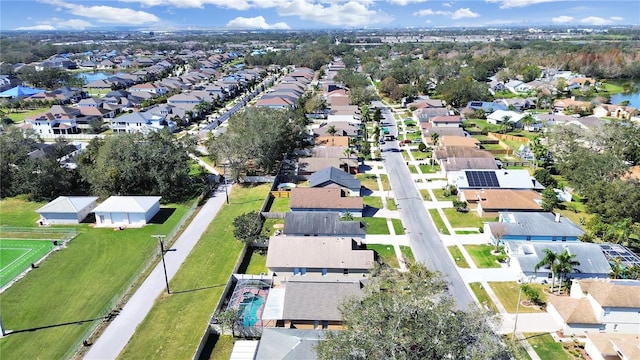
[164, 265]
[224, 176]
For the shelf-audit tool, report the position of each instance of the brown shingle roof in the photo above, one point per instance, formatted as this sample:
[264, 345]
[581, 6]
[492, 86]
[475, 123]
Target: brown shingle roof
[316, 252]
[607, 343]
[610, 294]
[323, 198]
[574, 311]
[459, 141]
[502, 199]
[462, 152]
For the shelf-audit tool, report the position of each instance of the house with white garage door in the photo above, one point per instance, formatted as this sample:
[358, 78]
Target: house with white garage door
[127, 210]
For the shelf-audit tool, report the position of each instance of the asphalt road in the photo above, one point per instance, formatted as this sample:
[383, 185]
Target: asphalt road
[423, 237]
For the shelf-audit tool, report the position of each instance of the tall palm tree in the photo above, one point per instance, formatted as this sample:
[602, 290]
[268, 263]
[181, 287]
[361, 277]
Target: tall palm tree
[566, 262]
[505, 125]
[617, 268]
[528, 120]
[347, 153]
[549, 260]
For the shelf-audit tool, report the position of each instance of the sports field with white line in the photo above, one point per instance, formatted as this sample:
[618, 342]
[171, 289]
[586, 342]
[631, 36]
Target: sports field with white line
[17, 255]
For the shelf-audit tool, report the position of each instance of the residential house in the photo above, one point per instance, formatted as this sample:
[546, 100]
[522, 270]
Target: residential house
[612, 346]
[487, 106]
[615, 111]
[599, 306]
[325, 199]
[571, 104]
[310, 223]
[499, 116]
[124, 211]
[342, 128]
[517, 86]
[533, 226]
[141, 122]
[283, 343]
[449, 121]
[333, 141]
[275, 103]
[294, 256]
[494, 179]
[424, 114]
[59, 120]
[153, 88]
[309, 165]
[332, 177]
[526, 255]
[67, 210]
[451, 164]
[453, 140]
[491, 202]
[445, 152]
[428, 130]
[518, 104]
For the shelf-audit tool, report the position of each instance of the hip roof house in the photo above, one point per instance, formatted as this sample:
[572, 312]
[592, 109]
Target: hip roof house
[67, 209]
[127, 210]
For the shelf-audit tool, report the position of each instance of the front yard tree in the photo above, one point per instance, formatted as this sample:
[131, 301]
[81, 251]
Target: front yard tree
[247, 227]
[549, 261]
[544, 177]
[410, 315]
[549, 199]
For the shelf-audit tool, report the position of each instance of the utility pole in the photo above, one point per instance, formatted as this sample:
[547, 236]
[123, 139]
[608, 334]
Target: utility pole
[224, 176]
[164, 266]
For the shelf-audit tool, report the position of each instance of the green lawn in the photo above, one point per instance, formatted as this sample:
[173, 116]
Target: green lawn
[268, 228]
[376, 226]
[507, 293]
[16, 211]
[466, 232]
[438, 221]
[258, 262]
[413, 169]
[419, 155]
[425, 195]
[397, 226]
[459, 219]
[391, 204]
[408, 254]
[386, 254]
[17, 256]
[429, 169]
[481, 255]
[173, 328]
[280, 204]
[23, 114]
[373, 201]
[483, 297]
[458, 257]
[369, 181]
[80, 282]
[223, 348]
[385, 182]
[439, 193]
[546, 347]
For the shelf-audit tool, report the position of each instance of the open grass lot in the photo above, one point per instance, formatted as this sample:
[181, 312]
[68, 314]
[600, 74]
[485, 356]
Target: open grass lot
[398, 228]
[459, 219]
[439, 193]
[16, 211]
[280, 204]
[386, 254]
[425, 195]
[373, 201]
[23, 114]
[370, 181]
[546, 347]
[440, 226]
[78, 283]
[17, 256]
[376, 226]
[507, 292]
[408, 254]
[481, 255]
[458, 257]
[173, 328]
[483, 297]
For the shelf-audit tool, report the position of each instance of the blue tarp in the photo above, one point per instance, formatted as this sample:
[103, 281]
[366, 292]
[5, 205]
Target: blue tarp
[20, 91]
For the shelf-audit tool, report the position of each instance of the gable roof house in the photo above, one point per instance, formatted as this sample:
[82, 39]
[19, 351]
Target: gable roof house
[534, 226]
[487, 106]
[616, 111]
[453, 121]
[325, 199]
[335, 178]
[497, 117]
[614, 346]
[67, 210]
[494, 179]
[59, 120]
[141, 122]
[321, 223]
[599, 306]
[127, 211]
[491, 202]
[460, 163]
[316, 256]
[525, 255]
[283, 343]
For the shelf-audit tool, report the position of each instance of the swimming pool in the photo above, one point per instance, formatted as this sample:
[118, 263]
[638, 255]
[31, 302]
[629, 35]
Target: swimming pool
[248, 309]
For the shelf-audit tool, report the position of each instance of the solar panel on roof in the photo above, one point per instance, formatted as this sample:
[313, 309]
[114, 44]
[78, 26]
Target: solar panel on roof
[482, 179]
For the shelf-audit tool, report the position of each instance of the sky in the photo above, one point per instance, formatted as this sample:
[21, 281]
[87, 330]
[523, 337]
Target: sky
[309, 14]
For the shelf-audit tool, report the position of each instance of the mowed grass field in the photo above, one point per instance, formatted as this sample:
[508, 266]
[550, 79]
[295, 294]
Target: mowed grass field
[78, 283]
[17, 256]
[174, 326]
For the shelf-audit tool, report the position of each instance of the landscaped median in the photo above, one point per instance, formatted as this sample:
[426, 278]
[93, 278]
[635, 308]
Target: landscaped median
[55, 306]
[176, 323]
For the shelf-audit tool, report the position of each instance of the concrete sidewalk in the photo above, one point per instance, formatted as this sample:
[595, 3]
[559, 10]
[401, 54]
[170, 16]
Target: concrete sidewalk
[117, 334]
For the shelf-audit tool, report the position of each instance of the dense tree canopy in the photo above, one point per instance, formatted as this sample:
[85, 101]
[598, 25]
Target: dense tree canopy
[410, 315]
[457, 92]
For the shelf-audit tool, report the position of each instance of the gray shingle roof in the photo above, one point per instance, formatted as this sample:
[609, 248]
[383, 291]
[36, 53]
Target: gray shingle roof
[321, 223]
[317, 300]
[334, 175]
[67, 204]
[538, 224]
[590, 256]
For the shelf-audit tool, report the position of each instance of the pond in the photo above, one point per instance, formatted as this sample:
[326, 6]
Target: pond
[93, 76]
[633, 98]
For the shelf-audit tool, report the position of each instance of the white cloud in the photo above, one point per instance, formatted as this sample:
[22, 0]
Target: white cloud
[346, 13]
[455, 15]
[106, 14]
[595, 20]
[41, 27]
[616, 18]
[74, 24]
[258, 22]
[464, 13]
[506, 4]
[563, 19]
[227, 4]
[447, 4]
[406, 2]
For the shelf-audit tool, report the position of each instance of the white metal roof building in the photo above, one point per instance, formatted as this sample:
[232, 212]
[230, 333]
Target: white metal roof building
[127, 210]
